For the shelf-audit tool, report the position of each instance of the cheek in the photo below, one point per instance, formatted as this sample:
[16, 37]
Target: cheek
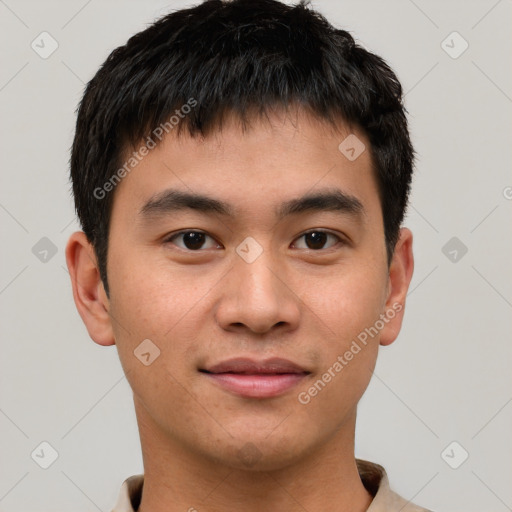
[150, 326]
[347, 302]
[346, 308]
[152, 297]
[151, 301]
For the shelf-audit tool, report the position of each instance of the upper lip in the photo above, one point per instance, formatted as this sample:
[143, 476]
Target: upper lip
[252, 366]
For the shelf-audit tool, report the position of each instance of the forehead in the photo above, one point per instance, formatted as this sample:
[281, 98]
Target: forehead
[277, 156]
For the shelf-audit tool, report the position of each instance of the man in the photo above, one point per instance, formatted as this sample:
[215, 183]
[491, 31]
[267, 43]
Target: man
[241, 171]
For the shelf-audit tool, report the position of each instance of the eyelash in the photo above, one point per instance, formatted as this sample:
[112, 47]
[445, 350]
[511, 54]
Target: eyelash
[170, 238]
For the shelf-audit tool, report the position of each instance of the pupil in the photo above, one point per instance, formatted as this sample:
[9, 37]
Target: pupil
[317, 238]
[193, 240]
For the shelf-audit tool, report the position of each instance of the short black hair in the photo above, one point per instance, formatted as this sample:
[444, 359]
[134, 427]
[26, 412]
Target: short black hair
[242, 57]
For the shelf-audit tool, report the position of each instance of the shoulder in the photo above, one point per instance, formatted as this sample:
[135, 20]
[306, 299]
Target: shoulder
[130, 494]
[376, 482]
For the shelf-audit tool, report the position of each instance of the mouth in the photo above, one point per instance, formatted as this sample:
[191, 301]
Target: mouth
[256, 379]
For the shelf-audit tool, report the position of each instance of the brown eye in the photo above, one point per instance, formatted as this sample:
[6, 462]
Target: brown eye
[316, 240]
[192, 240]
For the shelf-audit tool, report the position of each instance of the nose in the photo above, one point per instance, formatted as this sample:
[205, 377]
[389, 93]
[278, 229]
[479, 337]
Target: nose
[257, 297]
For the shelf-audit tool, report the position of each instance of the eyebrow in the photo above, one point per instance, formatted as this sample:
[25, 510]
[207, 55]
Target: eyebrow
[173, 200]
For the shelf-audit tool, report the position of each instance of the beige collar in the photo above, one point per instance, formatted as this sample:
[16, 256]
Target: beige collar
[372, 475]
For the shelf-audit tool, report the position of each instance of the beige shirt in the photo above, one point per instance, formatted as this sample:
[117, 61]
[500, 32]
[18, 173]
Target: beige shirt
[372, 475]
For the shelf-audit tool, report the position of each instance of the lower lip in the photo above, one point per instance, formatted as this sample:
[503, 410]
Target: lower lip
[257, 386]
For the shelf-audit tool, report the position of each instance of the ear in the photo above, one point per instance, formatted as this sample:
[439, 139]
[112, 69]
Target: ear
[400, 275]
[88, 291]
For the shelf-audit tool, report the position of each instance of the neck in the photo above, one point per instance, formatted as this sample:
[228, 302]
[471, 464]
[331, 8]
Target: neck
[178, 479]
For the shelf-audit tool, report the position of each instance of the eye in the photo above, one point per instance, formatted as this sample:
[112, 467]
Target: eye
[192, 240]
[316, 239]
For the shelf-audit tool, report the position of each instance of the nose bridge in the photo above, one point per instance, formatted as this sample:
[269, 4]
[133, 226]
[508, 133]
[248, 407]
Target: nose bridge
[257, 279]
[256, 294]
[255, 262]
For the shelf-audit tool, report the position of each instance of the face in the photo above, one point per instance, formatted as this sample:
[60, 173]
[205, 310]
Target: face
[258, 271]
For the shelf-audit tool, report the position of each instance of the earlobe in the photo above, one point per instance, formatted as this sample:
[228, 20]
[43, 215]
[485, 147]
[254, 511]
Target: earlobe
[88, 292]
[400, 275]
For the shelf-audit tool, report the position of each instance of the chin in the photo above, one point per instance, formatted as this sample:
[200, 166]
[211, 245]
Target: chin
[259, 452]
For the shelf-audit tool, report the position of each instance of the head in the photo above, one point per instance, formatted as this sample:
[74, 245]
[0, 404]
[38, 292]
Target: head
[251, 105]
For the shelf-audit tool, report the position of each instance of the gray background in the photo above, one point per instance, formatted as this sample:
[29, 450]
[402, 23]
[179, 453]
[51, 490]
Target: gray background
[447, 377]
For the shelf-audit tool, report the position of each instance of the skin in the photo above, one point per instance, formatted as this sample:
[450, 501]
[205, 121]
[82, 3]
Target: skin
[205, 306]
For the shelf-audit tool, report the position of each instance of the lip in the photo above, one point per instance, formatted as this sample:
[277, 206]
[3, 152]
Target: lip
[256, 379]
